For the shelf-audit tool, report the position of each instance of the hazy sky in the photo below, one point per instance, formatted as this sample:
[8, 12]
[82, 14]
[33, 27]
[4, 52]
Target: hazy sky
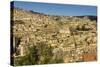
[57, 9]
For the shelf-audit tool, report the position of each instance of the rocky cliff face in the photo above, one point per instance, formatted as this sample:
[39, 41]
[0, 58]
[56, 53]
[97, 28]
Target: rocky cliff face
[71, 38]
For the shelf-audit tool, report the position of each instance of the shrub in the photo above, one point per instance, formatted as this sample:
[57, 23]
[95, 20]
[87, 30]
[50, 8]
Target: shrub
[39, 54]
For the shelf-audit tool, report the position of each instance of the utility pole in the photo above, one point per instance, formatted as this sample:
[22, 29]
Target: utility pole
[71, 30]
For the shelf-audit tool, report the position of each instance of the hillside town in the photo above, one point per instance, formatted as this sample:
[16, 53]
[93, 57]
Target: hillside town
[52, 39]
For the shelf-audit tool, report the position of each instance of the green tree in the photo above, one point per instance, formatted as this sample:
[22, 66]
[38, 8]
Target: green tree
[41, 53]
